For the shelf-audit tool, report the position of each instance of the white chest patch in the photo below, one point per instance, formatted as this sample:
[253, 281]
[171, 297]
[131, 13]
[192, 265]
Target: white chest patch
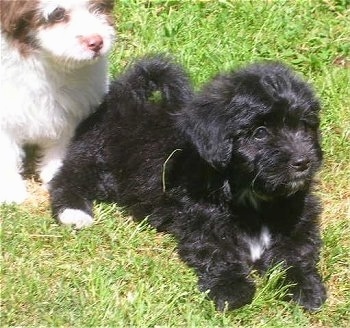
[258, 244]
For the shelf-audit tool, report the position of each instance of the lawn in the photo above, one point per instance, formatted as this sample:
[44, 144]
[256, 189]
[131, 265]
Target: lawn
[118, 273]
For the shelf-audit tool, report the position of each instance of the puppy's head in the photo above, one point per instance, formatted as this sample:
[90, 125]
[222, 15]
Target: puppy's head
[260, 125]
[65, 31]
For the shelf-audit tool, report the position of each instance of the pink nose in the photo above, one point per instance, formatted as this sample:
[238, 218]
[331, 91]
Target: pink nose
[92, 42]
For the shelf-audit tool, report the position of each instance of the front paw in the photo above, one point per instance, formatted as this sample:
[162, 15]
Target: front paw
[231, 294]
[12, 189]
[310, 296]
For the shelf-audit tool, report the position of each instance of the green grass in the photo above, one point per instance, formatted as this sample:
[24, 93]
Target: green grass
[118, 273]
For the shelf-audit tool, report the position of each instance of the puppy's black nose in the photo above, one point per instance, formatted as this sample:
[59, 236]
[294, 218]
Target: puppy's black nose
[301, 164]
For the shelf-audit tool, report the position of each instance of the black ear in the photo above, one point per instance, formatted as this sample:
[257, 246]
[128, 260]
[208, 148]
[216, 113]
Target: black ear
[206, 127]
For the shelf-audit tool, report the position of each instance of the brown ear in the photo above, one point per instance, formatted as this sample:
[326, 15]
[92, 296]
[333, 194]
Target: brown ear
[12, 15]
[106, 6]
[18, 18]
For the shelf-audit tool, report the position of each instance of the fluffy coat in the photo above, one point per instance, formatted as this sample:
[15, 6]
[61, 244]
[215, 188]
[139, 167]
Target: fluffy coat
[53, 75]
[228, 171]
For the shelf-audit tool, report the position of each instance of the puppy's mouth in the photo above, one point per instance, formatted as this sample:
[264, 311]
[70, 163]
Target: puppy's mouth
[295, 185]
[96, 55]
[299, 178]
[272, 181]
[273, 187]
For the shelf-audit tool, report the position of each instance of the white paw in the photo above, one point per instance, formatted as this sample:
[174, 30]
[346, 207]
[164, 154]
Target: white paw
[12, 190]
[76, 218]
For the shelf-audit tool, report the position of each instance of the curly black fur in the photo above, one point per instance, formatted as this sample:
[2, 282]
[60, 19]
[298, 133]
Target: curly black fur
[228, 171]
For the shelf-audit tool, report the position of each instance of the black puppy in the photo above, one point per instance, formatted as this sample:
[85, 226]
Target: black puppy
[228, 171]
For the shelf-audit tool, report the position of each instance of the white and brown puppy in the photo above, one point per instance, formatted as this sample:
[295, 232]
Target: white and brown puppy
[53, 75]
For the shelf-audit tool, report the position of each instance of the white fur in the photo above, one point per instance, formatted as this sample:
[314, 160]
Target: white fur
[258, 244]
[46, 93]
[76, 218]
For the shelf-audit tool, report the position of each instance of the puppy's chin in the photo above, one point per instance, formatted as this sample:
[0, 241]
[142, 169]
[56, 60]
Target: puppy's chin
[284, 181]
[71, 63]
[295, 186]
[267, 191]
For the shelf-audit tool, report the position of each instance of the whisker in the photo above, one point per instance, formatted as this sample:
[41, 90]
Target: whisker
[253, 181]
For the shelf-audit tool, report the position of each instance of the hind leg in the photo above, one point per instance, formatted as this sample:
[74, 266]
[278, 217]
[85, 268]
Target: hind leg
[71, 196]
[76, 185]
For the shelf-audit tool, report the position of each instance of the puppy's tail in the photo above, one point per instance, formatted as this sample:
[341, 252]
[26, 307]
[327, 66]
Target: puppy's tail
[156, 79]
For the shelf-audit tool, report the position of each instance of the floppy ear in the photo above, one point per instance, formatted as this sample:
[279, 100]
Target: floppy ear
[208, 131]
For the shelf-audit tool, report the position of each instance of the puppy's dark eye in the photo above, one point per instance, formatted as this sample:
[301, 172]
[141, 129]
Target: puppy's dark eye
[57, 15]
[260, 133]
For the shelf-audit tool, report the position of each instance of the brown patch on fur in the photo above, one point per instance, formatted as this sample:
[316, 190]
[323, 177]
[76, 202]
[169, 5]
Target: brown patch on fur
[18, 18]
[104, 7]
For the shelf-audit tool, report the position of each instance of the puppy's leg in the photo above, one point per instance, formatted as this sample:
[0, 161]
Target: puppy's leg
[12, 186]
[230, 289]
[78, 182]
[70, 196]
[309, 290]
[223, 272]
[300, 259]
[52, 156]
[210, 244]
